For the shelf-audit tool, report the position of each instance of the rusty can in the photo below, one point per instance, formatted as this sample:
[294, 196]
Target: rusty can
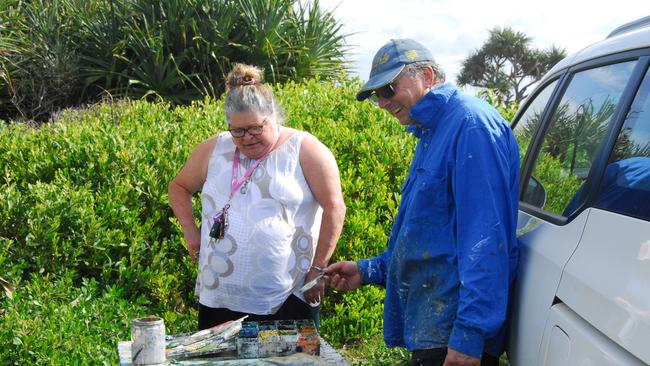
[148, 341]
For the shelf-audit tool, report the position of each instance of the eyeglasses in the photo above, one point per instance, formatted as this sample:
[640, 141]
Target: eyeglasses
[253, 131]
[386, 92]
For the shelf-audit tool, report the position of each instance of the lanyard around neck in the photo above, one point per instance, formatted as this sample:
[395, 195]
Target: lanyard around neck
[235, 183]
[220, 219]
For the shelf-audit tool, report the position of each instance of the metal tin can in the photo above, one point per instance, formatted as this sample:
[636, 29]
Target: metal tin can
[148, 341]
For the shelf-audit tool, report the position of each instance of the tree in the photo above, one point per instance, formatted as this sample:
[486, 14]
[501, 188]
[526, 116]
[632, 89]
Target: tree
[65, 53]
[507, 63]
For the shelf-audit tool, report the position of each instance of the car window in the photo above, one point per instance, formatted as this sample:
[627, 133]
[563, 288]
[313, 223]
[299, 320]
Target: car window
[625, 187]
[525, 129]
[576, 130]
[529, 121]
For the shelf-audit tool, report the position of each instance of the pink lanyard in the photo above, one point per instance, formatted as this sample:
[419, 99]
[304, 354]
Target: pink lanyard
[235, 183]
[220, 220]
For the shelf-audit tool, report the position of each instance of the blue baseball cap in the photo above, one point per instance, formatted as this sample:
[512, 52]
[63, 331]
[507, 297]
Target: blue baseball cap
[390, 60]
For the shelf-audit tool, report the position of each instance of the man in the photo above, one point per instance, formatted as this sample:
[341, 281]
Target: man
[452, 252]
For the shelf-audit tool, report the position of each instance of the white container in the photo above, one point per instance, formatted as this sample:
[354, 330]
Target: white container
[148, 341]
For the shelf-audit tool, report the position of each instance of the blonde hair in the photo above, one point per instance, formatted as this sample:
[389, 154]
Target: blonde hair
[246, 92]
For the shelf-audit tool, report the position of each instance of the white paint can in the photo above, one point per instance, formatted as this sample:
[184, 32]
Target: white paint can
[148, 341]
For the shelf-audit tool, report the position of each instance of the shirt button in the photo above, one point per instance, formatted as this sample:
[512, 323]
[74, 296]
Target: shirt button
[424, 184]
[426, 144]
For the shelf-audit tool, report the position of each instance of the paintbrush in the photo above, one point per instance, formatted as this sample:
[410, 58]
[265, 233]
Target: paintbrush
[211, 332]
[309, 285]
[215, 340]
[200, 339]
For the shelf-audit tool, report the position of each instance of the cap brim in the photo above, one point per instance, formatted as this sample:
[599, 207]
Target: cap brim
[378, 81]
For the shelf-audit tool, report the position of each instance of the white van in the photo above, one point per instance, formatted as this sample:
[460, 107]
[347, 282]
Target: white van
[583, 293]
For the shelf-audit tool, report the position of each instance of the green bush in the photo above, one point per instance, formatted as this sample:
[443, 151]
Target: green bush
[89, 241]
[57, 321]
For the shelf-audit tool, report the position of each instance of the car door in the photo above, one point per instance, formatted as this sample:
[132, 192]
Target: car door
[602, 312]
[562, 131]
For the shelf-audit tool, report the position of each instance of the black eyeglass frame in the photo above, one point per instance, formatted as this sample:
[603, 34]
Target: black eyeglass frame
[253, 130]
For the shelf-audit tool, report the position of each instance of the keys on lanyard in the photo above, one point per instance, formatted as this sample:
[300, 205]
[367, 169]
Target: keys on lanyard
[220, 224]
[220, 220]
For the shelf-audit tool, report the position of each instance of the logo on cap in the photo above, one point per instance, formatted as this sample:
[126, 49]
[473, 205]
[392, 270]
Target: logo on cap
[380, 59]
[411, 54]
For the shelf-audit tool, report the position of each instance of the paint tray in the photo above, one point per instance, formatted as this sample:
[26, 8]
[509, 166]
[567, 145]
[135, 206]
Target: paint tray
[277, 338]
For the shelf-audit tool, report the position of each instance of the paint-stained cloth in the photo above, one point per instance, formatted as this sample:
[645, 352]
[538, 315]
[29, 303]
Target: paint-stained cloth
[452, 252]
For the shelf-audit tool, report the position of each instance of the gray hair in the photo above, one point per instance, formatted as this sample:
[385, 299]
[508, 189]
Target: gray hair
[245, 92]
[415, 70]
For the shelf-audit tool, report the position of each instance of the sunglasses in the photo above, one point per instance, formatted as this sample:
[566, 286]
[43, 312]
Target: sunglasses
[253, 131]
[386, 92]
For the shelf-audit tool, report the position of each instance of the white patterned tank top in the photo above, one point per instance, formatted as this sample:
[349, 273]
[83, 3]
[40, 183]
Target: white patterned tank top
[272, 234]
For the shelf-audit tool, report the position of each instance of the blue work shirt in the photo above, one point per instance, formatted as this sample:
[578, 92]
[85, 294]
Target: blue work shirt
[452, 252]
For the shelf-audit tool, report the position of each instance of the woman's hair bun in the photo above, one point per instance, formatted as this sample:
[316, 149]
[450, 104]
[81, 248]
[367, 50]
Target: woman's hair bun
[243, 75]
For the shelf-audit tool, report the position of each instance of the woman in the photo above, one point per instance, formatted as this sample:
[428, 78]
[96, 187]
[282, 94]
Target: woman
[272, 210]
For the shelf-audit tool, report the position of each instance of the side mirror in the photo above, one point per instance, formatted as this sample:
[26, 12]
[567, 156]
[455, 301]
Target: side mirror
[535, 193]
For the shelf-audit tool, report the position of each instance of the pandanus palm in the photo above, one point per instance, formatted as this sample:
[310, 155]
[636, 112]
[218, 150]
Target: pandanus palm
[177, 50]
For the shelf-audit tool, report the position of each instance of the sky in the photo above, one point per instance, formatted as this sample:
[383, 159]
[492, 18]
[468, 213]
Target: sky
[453, 29]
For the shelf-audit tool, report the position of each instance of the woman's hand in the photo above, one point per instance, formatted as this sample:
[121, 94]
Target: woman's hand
[314, 295]
[193, 241]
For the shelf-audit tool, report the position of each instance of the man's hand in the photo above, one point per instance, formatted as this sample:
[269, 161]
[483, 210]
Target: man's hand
[455, 358]
[344, 276]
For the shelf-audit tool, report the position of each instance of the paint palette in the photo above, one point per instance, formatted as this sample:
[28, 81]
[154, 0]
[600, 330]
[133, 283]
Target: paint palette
[277, 338]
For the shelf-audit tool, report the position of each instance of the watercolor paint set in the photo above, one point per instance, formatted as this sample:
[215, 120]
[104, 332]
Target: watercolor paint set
[277, 338]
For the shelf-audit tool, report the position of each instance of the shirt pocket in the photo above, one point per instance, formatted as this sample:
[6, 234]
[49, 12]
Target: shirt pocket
[431, 198]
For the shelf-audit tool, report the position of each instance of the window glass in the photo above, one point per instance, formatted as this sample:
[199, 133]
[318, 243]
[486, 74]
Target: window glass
[576, 130]
[529, 121]
[625, 187]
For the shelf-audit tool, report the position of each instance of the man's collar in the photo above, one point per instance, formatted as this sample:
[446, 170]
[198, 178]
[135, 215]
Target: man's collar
[427, 110]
